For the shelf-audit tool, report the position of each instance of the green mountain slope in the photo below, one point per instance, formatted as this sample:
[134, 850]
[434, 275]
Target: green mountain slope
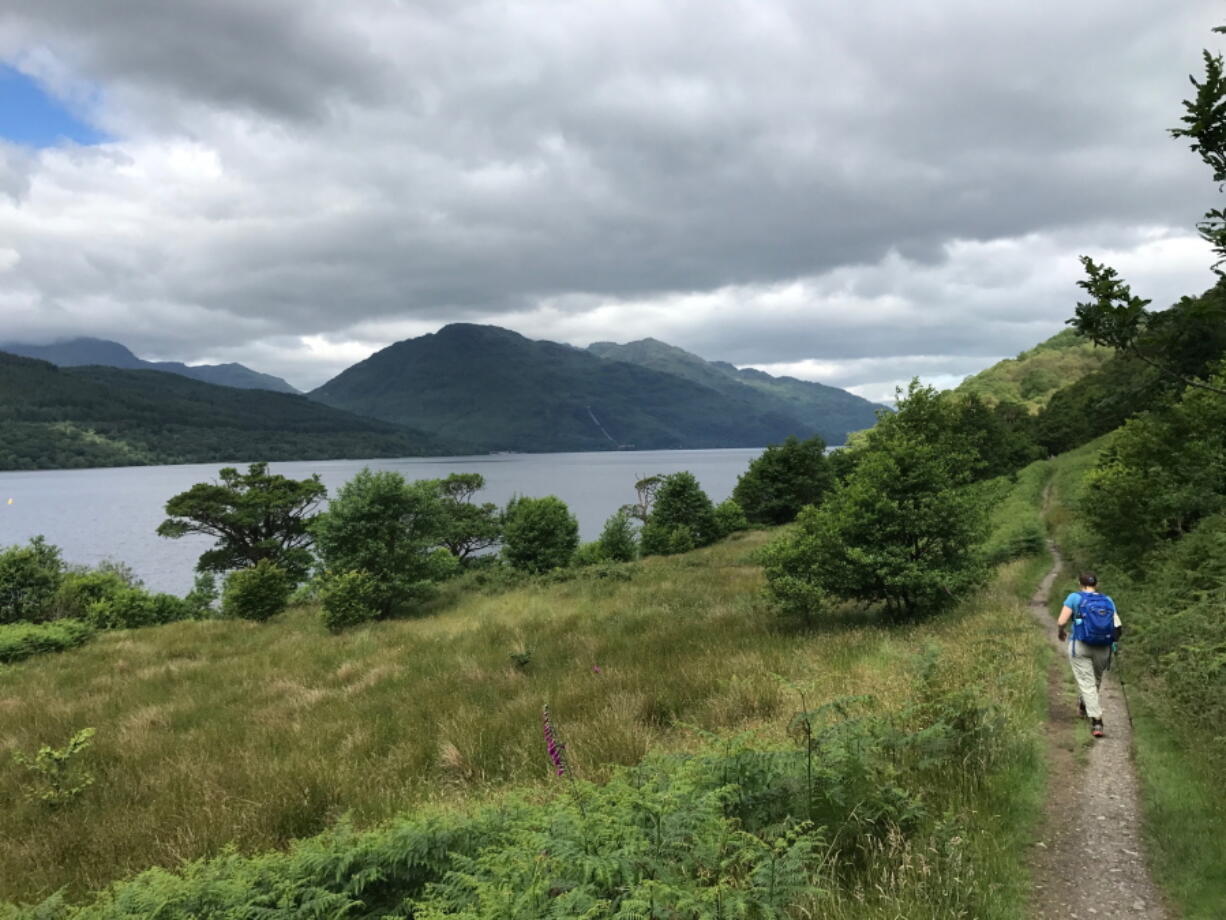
[495, 388]
[1034, 376]
[816, 407]
[81, 351]
[53, 418]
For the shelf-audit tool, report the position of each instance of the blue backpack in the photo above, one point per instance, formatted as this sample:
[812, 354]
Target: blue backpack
[1094, 619]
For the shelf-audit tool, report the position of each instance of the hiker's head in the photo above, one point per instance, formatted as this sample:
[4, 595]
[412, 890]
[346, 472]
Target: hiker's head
[1087, 580]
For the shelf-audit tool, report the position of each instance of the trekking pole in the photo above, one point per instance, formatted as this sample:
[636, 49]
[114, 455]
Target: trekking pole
[1123, 689]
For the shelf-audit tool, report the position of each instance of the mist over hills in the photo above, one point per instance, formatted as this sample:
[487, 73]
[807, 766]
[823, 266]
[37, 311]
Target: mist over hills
[496, 388]
[83, 351]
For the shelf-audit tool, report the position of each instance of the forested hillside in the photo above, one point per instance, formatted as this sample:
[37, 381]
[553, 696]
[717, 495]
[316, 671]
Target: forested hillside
[822, 410]
[1034, 376]
[495, 388]
[53, 418]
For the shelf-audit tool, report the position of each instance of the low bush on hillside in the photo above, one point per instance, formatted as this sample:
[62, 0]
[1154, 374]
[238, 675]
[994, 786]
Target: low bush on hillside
[29, 577]
[349, 599]
[257, 593]
[133, 608]
[24, 640]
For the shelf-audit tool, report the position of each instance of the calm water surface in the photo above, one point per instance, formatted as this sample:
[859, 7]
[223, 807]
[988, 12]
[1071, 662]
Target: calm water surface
[100, 514]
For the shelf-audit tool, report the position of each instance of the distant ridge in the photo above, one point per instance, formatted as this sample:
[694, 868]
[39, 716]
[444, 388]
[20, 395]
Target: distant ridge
[84, 350]
[818, 408]
[69, 417]
[497, 389]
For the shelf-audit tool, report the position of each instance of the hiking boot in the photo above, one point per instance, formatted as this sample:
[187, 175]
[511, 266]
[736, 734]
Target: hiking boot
[1096, 728]
[1081, 708]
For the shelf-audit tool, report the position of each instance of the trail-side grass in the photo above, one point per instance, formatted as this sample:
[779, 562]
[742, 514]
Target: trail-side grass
[1185, 814]
[219, 732]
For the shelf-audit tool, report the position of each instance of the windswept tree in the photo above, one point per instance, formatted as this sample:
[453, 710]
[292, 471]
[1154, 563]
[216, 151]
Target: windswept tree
[253, 516]
[468, 527]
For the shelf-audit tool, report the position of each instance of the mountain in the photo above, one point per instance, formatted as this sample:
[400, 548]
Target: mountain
[81, 351]
[54, 418]
[1034, 376]
[500, 390]
[818, 408]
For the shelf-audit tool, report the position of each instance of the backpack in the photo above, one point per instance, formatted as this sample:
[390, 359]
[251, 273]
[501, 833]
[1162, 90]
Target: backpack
[1094, 619]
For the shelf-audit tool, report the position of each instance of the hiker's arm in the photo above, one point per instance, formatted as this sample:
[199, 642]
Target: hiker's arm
[1066, 614]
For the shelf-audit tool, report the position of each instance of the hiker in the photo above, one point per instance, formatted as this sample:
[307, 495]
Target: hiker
[1096, 629]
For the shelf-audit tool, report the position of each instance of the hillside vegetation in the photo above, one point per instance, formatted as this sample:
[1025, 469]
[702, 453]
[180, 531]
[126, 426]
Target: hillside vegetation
[54, 418]
[1034, 376]
[496, 389]
[259, 734]
[823, 410]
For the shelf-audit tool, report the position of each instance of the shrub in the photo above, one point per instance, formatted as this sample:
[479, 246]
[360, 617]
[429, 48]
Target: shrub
[257, 593]
[784, 479]
[389, 529]
[617, 539]
[350, 598]
[25, 640]
[29, 578]
[79, 590]
[589, 554]
[58, 775]
[133, 608]
[540, 534]
[201, 600]
[729, 518]
[681, 502]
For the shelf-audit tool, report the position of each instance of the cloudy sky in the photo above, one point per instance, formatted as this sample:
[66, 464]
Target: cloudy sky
[849, 192]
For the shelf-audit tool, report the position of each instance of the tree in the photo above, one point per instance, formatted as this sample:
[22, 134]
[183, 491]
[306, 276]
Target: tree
[468, 528]
[681, 502]
[254, 515]
[29, 578]
[1115, 316]
[784, 479]
[645, 495]
[899, 530]
[539, 534]
[390, 529]
[617, 540]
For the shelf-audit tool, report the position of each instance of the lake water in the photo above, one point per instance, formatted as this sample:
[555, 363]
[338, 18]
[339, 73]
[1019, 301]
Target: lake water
[100, 514]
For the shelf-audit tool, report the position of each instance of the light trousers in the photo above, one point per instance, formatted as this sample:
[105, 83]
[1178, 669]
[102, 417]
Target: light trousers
[1088, 663]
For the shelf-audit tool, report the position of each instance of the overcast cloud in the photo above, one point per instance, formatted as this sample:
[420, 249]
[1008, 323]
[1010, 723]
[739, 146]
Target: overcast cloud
[854, 193]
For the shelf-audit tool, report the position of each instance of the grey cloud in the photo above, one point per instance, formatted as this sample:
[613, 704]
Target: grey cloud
[473, 160]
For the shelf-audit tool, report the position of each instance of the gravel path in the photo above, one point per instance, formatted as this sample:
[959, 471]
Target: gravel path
[1089, 860]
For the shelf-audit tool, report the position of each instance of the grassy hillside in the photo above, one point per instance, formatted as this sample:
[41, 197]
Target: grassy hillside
[1034, 376]
[54, 417]
[216, 732]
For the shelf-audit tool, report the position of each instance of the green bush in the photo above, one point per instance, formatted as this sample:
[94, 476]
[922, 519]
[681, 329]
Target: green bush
[539, 534]
[79, 590]
[681, 502]
[390, 529]
[257, 593]
[729, 518]
[24, 640]
[133, 608]
[784, 479]
[617, 538]
[29, 577]
[349, 599]
[588, 554]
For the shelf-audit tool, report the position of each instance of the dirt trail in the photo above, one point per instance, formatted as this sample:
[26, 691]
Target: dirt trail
[1089, 860]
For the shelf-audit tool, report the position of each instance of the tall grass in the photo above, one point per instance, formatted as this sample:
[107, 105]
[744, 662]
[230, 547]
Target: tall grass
[219, 733]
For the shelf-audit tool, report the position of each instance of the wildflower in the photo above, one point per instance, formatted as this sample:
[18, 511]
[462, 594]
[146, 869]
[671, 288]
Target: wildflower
[552, 745]
[596, 669]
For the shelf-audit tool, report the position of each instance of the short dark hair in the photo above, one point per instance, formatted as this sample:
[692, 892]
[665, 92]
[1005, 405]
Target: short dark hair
[1087, 580]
